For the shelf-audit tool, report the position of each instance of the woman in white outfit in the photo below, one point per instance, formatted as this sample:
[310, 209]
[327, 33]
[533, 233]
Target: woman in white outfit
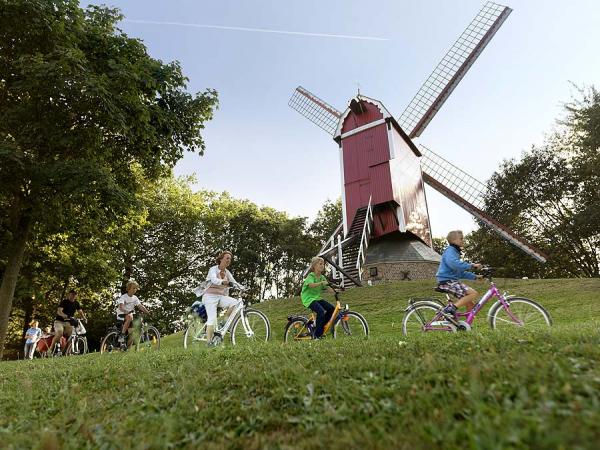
[215, 296]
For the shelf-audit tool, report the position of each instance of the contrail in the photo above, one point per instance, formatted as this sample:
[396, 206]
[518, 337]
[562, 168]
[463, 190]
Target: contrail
[258, 30]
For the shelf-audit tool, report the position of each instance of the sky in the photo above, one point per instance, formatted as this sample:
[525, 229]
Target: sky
[260, 149]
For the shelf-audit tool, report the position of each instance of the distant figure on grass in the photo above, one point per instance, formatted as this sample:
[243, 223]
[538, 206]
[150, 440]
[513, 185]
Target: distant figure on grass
[219, 280]
[126, 309]
[452, 269]
[32, 336]
[64, 321]
[312, 291]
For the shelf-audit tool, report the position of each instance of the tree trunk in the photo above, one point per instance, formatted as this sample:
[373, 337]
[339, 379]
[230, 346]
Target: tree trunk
[16, 251]
[28, 310]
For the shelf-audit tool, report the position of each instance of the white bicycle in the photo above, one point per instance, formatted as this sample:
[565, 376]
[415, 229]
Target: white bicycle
[245, 325]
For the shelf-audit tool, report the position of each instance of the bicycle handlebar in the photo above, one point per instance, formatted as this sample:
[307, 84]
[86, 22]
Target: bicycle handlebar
[239, 287]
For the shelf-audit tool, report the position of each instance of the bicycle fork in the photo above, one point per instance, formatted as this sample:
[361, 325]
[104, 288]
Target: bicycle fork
[247, 329]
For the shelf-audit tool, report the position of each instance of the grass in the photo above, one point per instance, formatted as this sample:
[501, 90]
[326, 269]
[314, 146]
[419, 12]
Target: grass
[481, 389]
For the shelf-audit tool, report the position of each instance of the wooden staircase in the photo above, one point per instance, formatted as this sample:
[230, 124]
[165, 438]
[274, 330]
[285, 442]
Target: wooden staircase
[347, 254]
[351, 251]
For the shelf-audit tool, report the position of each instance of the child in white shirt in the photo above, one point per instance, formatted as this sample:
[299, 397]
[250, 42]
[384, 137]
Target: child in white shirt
[126, 308]
[32, 336]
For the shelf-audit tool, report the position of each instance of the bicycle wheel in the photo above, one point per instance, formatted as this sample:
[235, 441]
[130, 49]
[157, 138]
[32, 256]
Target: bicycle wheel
[110, 343]
[297, 329]
[77, 346]
[149, 340]
[255, 329]
[524, 313]
[351, 325]
[424, 316]
[195, 334]
[82, 345]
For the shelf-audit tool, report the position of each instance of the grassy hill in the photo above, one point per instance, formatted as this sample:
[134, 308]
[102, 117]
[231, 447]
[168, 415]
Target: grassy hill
[481, 389]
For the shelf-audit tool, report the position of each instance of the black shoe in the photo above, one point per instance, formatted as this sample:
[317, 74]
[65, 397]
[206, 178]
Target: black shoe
[449, 312]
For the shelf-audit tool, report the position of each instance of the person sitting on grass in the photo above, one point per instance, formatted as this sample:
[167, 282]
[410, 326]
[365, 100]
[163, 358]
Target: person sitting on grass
[126, 309]
[451, 270]
[32, 336]
[312, 291]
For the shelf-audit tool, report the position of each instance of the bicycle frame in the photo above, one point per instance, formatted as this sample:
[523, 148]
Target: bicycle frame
[71, 340]
[337, 315]
[469, 316]
[237, 311]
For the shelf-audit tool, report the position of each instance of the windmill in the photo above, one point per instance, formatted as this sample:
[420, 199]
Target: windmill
[385, 231]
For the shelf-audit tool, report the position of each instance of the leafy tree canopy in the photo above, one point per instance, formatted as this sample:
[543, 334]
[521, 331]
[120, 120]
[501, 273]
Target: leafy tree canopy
[81, 105]
[551, 196]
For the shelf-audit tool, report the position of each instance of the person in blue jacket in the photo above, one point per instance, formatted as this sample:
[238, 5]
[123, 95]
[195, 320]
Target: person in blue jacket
[452, 269]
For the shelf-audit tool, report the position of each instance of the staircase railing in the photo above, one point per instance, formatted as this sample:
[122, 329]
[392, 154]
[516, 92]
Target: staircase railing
[334, 242]
[364, 240]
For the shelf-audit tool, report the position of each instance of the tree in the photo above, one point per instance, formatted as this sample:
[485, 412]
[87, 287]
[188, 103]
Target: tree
[81, 105]
[328, 218]
[551, 196]
[439, 244]
[163, 242]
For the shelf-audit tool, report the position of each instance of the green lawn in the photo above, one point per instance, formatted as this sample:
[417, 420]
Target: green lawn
[482, 389]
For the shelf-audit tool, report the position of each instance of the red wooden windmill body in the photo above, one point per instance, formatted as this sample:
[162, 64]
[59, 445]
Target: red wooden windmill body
[381, 166]
[383, 171]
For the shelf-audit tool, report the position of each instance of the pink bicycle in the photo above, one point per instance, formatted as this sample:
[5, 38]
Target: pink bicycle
[425, 314]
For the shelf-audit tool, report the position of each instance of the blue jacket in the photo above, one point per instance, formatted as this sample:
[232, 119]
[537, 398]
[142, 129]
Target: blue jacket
[452, 268]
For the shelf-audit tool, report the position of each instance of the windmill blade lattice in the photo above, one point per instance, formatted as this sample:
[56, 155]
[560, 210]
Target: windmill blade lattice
[452, 68]
[467, 192]
[314, 109]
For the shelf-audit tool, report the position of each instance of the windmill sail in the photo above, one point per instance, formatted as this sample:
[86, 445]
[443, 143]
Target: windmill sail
[467, 192]
[314, 109]
[452, 68]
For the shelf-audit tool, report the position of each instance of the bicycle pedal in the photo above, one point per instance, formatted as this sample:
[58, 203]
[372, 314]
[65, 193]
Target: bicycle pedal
[450, 318]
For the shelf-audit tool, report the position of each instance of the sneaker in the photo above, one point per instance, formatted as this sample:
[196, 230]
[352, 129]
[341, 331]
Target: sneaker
[450, 311]
[121, 338]
[305, 335]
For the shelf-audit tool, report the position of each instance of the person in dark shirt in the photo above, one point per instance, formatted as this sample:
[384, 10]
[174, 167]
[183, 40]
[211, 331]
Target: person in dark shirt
[64, 317]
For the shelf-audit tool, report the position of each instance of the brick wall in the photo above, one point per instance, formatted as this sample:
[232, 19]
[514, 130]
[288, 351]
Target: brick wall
[398, 271]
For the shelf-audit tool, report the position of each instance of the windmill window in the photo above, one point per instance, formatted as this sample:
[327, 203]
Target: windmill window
[373, 271]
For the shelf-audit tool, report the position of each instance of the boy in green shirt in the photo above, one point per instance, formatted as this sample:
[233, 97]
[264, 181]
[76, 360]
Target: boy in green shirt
[312, 289]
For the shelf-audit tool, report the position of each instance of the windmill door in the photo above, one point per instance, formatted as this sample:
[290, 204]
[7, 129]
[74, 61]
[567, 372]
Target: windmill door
[365, 192]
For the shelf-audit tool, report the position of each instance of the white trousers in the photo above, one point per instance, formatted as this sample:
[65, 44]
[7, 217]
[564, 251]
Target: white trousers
[214, 301]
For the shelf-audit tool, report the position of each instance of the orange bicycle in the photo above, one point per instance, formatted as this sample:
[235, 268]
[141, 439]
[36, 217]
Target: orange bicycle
[344, 324]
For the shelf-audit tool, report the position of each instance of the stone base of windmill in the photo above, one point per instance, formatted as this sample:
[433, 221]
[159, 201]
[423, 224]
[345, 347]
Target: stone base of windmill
[399, 257]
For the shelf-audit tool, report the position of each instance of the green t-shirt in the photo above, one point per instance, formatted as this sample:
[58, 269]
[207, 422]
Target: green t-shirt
[309, 294]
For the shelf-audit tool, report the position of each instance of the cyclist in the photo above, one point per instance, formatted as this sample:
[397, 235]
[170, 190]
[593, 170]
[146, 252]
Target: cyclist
[218, 282]
[451, 270]
[312, 289]
[126, 308]
[64, 321]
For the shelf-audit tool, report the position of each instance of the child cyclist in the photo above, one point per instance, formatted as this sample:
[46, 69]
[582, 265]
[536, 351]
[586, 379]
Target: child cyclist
[451, 270]
[126, 308]
[312, 290]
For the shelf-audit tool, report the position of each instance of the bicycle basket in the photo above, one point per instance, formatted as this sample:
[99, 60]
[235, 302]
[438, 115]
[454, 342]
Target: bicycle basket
[80, 329]
[199, 310]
